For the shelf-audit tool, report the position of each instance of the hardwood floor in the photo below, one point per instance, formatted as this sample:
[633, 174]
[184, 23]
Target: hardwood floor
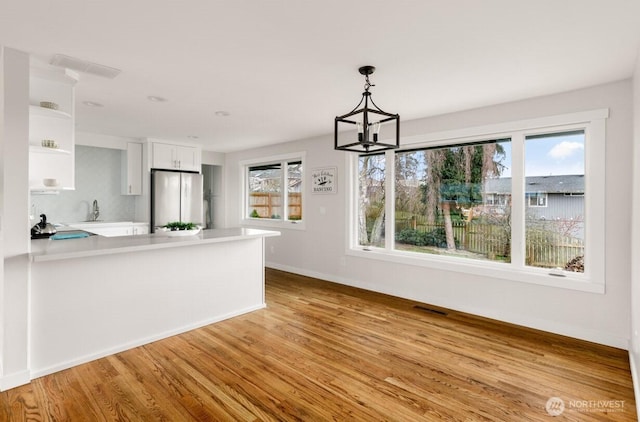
[322, 351]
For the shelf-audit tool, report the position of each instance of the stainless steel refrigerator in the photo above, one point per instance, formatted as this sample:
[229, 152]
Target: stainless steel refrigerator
[175, 196]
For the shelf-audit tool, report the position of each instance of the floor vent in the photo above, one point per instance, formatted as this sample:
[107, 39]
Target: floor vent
[430, 310]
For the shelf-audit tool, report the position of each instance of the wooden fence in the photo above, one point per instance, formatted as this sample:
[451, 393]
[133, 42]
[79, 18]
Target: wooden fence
[269, 204]
[543, 248]
[548, 249]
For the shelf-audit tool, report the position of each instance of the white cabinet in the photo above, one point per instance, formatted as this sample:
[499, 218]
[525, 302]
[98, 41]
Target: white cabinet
[132, 169]
[114, 229]
[189, 158]
[51, 129]
[163, 156]
[140, 228]
[176, 157]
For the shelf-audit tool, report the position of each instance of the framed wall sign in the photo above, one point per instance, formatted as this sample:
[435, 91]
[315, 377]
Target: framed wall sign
[324, 180]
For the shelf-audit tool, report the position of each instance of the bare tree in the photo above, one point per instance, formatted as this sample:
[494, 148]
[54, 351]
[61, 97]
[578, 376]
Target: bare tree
[434, 160]
[407, 186]
[363, 199]
[453, 178]
[371, 198]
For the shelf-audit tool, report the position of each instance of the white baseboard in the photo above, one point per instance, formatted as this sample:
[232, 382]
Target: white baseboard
[313, 274]
[14, 380]
[555, 327]
[634, 376]
[88, 358]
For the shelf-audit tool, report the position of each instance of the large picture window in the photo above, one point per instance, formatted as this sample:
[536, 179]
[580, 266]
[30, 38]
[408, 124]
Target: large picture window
[452, 201]
[517, 206]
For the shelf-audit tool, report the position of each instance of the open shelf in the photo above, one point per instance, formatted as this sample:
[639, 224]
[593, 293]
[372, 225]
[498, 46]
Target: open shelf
[49, 124]
[35, 110]
[45, 150]
[43, 190]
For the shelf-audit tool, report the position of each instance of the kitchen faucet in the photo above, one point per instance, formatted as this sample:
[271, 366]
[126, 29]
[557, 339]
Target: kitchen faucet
[96, 211]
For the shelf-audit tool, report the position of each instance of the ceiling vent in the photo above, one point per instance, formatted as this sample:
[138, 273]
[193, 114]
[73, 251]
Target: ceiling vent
[84, 66]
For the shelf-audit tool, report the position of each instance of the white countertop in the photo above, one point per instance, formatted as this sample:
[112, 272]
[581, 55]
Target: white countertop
[50, 250]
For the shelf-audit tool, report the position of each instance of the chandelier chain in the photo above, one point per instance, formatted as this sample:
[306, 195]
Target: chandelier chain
[367, 84]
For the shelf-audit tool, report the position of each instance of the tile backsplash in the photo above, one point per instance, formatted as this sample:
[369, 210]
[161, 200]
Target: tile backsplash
[98, 176]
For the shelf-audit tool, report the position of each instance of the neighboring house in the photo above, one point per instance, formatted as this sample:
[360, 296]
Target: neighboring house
[549, 198]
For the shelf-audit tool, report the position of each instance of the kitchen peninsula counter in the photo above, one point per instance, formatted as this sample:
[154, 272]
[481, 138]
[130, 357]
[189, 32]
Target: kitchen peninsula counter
[48, 250]
[95, 296]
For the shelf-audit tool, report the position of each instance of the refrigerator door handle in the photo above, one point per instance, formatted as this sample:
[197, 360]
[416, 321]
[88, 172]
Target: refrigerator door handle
[192, 198]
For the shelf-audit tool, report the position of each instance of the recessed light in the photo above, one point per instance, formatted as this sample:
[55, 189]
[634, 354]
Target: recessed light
[92, 104]
[222, 113]
[156, 99]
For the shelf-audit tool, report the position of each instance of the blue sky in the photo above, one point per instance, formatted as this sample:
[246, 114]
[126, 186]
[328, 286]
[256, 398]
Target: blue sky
[552, 155]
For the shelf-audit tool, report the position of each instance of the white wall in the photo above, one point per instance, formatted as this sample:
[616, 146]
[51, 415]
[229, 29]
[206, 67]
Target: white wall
[2, 178]
[14, 191]
[212, 158]
[320, 249]
[634, 352]
[103, 141]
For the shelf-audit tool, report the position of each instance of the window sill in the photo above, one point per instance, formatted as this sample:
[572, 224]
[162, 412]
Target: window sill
[538, 276]
[273, 223]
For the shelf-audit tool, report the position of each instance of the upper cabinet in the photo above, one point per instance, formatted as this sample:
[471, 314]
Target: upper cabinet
[189, 158]
[132, 169]
[176, 157]
[51, 130]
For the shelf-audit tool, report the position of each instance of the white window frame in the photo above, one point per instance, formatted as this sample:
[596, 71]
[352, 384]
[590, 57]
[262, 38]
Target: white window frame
[497, 199]
[593, 123]
[282, 223]
[537, 195]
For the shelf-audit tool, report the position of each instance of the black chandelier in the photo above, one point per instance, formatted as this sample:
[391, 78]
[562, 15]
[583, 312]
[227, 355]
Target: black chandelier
[372, 124]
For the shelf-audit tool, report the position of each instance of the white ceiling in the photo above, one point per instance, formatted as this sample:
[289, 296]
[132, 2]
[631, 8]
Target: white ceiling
[284, 69]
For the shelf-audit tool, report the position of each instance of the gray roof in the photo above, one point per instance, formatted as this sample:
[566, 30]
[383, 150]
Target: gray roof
[571, 183]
